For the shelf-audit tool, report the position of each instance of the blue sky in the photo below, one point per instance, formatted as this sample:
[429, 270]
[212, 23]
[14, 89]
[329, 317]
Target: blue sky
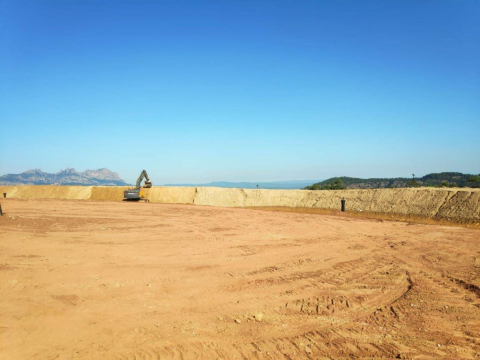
[196, 91]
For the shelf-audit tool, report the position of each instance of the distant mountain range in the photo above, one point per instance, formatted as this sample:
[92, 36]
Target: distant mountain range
[292, 184]
[444, 179]
[103, 177]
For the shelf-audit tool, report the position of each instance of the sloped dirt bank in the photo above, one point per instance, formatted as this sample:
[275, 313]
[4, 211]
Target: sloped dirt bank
[452, 205]
[47, 192]
[459, 206]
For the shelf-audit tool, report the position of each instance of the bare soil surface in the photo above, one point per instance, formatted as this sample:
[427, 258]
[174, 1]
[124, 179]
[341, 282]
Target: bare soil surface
[112, 280]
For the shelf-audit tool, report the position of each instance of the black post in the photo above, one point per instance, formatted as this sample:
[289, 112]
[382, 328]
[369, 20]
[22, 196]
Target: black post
[343, 205]
[4, 195]
[1, 213]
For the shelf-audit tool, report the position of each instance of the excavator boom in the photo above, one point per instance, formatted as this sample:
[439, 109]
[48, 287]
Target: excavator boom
[144, 175]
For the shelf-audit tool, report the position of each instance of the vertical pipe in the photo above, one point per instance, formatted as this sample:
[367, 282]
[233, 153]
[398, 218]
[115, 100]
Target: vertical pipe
[343, 205]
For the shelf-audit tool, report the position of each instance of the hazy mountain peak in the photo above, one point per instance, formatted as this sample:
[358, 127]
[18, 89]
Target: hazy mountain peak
[102, 173]
[34, 171]
[68, 176]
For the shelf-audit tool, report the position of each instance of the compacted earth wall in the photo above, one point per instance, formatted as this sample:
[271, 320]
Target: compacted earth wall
[457, 205]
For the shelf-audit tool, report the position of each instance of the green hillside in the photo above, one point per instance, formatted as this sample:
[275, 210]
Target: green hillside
[444, 179]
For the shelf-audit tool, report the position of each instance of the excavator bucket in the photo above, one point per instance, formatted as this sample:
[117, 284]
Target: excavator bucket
[148, 184]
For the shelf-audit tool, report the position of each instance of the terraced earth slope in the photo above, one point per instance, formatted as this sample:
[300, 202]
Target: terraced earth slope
[110, 280]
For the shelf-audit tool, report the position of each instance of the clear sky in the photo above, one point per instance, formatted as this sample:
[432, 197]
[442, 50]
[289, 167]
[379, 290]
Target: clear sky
[196, 91]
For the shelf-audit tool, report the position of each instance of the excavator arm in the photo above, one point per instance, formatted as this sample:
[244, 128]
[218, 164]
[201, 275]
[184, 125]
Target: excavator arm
[144, 175]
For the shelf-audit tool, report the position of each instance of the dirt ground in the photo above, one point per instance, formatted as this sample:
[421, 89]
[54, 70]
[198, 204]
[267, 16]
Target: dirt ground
[113, 280]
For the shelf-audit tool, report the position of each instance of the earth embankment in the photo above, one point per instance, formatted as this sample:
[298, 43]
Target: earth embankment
[456, 205]
[47, 192]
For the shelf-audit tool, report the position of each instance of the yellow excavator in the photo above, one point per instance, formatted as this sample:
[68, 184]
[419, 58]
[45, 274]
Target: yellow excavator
[136, 193]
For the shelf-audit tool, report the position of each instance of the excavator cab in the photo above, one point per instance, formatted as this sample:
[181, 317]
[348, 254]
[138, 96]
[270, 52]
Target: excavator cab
[133, 195]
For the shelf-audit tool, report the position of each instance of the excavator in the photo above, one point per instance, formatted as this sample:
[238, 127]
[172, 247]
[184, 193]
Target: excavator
[136, 193]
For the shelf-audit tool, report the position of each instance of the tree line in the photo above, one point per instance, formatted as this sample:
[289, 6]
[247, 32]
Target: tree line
[445, 179]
